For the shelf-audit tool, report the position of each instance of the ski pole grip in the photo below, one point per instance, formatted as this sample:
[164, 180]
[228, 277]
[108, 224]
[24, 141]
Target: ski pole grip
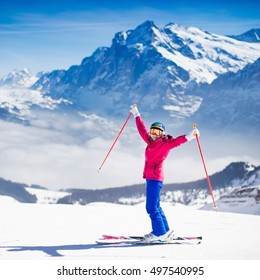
[194, 126]
[132, 111]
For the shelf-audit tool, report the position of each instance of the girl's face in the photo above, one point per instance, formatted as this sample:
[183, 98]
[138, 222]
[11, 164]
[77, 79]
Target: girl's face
[155, 133]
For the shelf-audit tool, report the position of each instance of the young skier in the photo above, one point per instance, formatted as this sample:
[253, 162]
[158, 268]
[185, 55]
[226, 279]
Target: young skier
[158, 147]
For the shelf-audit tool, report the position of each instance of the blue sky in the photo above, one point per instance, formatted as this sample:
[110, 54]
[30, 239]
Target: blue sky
[55, 34]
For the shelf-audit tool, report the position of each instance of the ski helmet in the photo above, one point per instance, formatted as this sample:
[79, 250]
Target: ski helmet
[158, 125]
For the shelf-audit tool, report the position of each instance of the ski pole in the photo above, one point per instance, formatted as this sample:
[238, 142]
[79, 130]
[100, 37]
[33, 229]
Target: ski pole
[114, 142]
[207, 176]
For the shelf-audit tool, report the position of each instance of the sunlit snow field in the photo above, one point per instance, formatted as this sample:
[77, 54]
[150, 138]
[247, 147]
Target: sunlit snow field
[47, 231]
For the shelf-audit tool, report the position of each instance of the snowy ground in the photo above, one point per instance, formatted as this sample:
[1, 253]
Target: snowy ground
[67, 233]
[42, 231]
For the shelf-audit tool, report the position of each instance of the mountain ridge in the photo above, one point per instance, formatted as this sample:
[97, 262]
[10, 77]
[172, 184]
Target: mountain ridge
[236, 189]
[128, 70]
[252, 36]
[146, 65]
[236, 173]
[231, 101]
[233, 175]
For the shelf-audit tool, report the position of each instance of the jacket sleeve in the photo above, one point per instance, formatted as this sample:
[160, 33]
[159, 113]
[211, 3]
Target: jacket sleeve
[142, 129]
[175, 142]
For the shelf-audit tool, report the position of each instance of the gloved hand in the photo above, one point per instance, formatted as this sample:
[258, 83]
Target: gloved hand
[192, 134]
[134, 110]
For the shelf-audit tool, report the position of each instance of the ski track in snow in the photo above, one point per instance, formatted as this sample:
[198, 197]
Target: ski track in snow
[47, 231]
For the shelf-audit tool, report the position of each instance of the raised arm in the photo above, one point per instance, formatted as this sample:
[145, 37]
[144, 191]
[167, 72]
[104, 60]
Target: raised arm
[140, 124]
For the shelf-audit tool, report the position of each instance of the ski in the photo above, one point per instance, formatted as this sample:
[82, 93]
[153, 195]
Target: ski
[121, 239]
[105, 236]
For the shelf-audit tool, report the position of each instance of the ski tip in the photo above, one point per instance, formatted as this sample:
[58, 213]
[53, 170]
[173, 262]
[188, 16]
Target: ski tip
[199, 237]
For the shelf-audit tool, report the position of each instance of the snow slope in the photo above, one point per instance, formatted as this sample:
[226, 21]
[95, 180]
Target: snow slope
[20, 78]
[46, 231]
[45, 196]
[19, 100]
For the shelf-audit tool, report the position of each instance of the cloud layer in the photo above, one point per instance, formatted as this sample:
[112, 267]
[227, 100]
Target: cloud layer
[61, 153]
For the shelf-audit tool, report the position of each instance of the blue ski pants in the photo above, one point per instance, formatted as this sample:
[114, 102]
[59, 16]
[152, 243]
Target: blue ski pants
[158, 219]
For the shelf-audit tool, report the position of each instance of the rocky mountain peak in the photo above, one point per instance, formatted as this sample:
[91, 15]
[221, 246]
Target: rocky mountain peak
[251, 36]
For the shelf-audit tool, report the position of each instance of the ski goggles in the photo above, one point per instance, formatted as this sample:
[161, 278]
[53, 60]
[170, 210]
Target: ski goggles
[155, 131]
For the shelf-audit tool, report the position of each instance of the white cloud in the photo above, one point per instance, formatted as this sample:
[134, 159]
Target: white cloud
[66, 155]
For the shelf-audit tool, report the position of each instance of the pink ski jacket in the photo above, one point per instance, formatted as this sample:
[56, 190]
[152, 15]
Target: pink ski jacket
[156, 151]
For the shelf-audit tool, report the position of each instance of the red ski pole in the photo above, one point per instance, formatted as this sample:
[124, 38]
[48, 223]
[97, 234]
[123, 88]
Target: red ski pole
[114, 142]
[207, 176]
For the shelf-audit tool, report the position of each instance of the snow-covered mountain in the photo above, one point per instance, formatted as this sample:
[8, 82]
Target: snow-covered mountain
[232, 101]
[251, 36]
[236, 189]
[29, 194]
[237, 178]
[244, 200]
[18, 101]
[17, 191]
[21, 78]
[152, 67]
[171, 73]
